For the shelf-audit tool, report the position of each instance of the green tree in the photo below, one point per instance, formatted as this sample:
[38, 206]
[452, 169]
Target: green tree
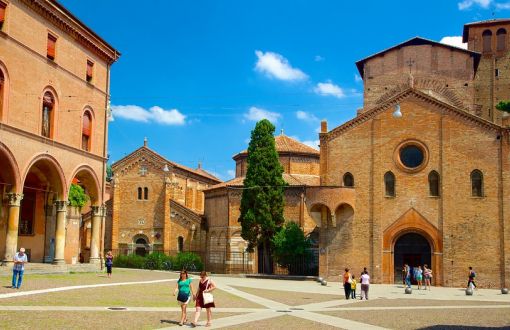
[109, 172]
[291, 248]
[262, 201]
[77, 196]
[503, 106]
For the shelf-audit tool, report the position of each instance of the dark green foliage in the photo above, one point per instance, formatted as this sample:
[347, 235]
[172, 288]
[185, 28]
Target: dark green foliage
[503, 106]
[77, 196]
[129, 261]
[157, 260]
[291, 249]
[109, 173]
[188, 261]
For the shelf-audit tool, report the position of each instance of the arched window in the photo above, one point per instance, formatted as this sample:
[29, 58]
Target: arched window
[47, 114]
[389, 184]
[487, 41]
[139, 193]
[180, 244]
[477, 183]
[348, 180]
[141, 240]
[86, 131]
[434, 183]
[2, 88]
[145, 193]
[501, 39]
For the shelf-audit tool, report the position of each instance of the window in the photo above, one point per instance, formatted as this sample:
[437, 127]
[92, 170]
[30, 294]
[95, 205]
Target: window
[2, 87]
[487, 41]
[139, 193]
[3, 6]
[348, 180]
[496, 72]
[501, 40]
[85, 131]
[477, 183]
[411, 156]
[50, 47]
[47, 114]
[90, 70]
[145, 193]
[434, 184]
[389, 184]
[180, 243]
[141, 241]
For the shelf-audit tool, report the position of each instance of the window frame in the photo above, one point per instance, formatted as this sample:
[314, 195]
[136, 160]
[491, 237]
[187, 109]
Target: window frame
[145, 193]
[3, 13]
[51, 130]
[434, 175]
[51, 46]
[89, 75]
[477, 192]
[87, 113]
[501, 36]
[390, 175]
[487, 41]
[348, 175]
[140, 193]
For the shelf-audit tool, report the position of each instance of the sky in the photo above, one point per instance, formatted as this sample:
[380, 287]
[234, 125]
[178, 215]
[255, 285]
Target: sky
[195, 76]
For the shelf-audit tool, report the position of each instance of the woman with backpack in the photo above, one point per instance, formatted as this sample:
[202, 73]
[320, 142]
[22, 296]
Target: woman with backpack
[471, 277]
[184, 292]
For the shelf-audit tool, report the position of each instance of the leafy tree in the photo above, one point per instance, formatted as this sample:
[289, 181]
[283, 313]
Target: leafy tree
[77, 196]
[291, 248]
[503, 106]
[109, 172]
[262, 201]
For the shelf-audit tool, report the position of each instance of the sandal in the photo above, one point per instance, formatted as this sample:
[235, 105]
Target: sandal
[208, 324]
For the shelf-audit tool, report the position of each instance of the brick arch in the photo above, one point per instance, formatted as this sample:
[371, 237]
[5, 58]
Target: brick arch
[11, 169]
[88, 177]
[4, 102]
[55, 172]
[411, 222]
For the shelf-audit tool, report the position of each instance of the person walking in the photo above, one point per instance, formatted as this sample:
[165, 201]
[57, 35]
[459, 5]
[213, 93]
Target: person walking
[353, 288]
[365, 283]
[427, 274]
[205, 285]
[419, 276]
[20, 259]
[109, 263]
[184, 291]
[347, 283]
[471, 277]
[408, 275]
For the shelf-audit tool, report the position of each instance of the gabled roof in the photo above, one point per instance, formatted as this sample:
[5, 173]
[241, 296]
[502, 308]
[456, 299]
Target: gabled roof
[489, 22]
[287, 145]
[199, 171]
[291, 179]
[416, 41]
[385, 106]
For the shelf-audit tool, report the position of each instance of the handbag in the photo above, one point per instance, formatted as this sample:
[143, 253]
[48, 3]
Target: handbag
[207, 296]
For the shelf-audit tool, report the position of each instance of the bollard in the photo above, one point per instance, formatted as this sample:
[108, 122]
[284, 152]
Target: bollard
[324, 282]
[320, 279]
[409, 290]
[469, 292]
[504, 290]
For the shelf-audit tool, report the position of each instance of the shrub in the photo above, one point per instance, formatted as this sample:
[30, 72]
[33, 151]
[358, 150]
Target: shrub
[156, 260]
[77, 196]
[187, 260]
[129, 261]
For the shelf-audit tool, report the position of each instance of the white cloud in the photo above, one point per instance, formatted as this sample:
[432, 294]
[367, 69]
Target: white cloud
[357, 78]
[231, 174]
[455, 41]
[276, 66]
[256, 114]
[302, 115]
[503, 6]
[466, 4]
[312, 143]
[318, 58]
[154, 114]
[329, 89]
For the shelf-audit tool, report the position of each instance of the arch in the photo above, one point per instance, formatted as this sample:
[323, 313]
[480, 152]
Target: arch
[87, 124]
[501, 39]
[10, 171]
[389, 184]
[4, 92]
[139, 193]
[145, 193]
[477, 183]
[348, 180]
[487, 41]
[52, 171]
[86, 175]
[321, 214]
[48, 114]
[180, 244]
[141, 244]
[413, 249]
[139, 237]
[434, 183]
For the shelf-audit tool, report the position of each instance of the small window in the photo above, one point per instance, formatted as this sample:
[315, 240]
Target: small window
[389, 184]
[146, 193]
[496, 72]
[487, 41]
[2, 87]
[477, 183]
[47, 114]
[434, 184]
[143, 170]
[90, 70]
[51, 47]
[3, 7]
[348, 180]
[180, 243]
[139, 193]
[86, 130]
[501, 40]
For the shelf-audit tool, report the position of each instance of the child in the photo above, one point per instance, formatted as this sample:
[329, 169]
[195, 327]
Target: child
[353, 289]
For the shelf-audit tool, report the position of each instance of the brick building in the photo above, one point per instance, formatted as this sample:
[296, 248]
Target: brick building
[54, 89]
[156, 205]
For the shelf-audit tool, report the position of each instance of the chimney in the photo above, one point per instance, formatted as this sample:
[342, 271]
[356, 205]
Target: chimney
[324, 126]
[199, 165]
[145, 141]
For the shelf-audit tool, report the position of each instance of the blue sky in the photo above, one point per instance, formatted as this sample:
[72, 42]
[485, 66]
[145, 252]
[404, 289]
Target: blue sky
[195, 76]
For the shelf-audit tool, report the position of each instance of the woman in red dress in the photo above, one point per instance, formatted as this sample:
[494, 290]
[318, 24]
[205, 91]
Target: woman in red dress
[204, 285]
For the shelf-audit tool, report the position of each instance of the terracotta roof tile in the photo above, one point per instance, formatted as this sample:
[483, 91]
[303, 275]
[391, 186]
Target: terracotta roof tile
[291, 179]
[285, 144]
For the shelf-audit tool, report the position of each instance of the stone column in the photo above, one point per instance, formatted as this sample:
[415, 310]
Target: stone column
[94, 237]
[11, 241]
[60, 232]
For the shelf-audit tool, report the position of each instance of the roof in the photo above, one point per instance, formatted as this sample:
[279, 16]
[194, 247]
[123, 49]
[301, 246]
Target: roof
[416, 41]
[198, 171]
[291, 179]
[489, 22]
[288, 145]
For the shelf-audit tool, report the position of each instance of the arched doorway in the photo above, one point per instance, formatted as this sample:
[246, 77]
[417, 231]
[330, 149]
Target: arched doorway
[141, 245]
[412, 249]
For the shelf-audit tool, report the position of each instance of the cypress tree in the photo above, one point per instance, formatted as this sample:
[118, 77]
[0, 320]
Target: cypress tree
[262, 201]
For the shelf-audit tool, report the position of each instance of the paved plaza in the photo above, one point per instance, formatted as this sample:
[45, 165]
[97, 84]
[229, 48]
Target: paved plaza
[136, 299]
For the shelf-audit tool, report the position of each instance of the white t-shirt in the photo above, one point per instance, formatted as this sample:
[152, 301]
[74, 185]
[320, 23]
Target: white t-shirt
[365, 279]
